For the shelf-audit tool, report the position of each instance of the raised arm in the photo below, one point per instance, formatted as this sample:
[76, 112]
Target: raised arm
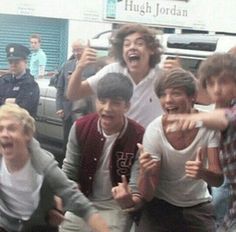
[215, 119]
[76, 87]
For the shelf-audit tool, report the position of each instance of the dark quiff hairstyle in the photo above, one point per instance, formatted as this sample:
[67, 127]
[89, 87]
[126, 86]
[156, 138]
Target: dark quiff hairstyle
[115, 85]
[148, 35]
[219, 64]
[176, 78]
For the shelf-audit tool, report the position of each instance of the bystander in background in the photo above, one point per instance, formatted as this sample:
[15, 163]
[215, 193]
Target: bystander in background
[69, 110]
[18, 86]
[38, 59]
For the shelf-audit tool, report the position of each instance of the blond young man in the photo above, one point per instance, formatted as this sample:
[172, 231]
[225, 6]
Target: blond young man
[30, 177]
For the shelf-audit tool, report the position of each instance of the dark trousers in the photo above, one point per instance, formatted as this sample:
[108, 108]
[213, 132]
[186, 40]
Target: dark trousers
[37, 229]
[159, 215]
[2, 230]
[41, 229]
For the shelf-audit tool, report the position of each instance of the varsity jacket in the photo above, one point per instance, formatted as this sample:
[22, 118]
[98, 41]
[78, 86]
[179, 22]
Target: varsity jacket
[88, 150]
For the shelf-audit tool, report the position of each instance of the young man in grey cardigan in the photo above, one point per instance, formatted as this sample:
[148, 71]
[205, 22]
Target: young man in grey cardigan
[30, 178]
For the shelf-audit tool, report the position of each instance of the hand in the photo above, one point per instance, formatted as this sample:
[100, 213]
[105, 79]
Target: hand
[194, 169]
[148, 163]
[171, 63]
[182, 122]
[55, 217]
[60, 113]
[122, 194]
[88, 56]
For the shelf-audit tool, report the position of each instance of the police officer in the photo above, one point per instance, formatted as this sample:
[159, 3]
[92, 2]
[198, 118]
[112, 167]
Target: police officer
[19, 86]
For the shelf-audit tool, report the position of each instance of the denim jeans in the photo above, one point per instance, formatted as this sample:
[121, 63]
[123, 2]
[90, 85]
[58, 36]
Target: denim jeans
[220, 200]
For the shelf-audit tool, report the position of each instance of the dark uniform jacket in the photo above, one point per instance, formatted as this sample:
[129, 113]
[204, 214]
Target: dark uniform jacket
[25, 90]
[82, 106]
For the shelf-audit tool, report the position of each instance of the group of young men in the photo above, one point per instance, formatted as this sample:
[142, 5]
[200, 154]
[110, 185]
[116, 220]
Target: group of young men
[146, 155]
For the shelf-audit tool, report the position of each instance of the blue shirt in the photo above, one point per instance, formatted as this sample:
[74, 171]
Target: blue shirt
[38, 62]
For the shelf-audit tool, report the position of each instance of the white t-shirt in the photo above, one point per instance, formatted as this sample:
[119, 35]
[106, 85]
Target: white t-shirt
[102, 179]
[20, 190]
[174, 187]
[145, 105]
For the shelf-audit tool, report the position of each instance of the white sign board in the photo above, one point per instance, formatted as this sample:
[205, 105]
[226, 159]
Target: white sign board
[211, 15]
[72, 9]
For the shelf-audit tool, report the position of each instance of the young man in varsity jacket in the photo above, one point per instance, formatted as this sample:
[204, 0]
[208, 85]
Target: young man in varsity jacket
[102, 153]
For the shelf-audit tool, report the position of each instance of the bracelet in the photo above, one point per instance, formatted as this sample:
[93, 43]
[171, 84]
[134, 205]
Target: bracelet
[59, 211]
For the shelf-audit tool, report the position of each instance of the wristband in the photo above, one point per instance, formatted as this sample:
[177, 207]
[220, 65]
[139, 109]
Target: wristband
[59, 211]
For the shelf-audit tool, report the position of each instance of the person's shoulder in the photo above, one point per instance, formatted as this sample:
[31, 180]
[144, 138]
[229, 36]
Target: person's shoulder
[158, 70]
[155, 124]
[87, 119]
[69, 65]
[133, 124]
[40, 158]
[29, 78]
[70, 62]
[41, 53]
[30, 81]
[114, 67]
[5, 76]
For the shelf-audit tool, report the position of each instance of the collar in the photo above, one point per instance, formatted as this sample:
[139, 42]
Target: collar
[36, 51]
[121, 132]
[150, 76]
[19, 76]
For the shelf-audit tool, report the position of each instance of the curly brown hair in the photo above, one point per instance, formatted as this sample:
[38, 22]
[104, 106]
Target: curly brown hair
[149, 36]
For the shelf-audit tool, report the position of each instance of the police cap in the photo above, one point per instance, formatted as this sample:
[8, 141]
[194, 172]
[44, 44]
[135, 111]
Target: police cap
[17, 51]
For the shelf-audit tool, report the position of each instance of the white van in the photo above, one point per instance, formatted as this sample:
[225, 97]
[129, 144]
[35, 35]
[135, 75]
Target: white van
[191, 49]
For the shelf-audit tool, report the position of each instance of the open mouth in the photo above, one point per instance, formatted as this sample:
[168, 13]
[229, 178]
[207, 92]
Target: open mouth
[107, 117]
[7, 145]
[134, 58]
[172, 110]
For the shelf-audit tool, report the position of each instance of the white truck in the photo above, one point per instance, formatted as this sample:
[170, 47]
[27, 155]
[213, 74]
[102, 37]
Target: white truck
[191, 49]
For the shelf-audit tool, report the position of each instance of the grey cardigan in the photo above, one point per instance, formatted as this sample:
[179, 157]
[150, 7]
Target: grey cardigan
[55, 182]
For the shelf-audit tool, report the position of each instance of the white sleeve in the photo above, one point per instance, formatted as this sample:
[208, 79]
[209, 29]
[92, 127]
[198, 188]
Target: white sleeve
[213, 139]
[152, 140]
[93, 80]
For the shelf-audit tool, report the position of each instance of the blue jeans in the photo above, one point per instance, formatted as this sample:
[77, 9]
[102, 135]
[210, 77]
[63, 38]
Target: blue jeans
[220, 200]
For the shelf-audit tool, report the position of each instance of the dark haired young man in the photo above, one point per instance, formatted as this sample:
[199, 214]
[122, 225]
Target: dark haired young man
[102, 152]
